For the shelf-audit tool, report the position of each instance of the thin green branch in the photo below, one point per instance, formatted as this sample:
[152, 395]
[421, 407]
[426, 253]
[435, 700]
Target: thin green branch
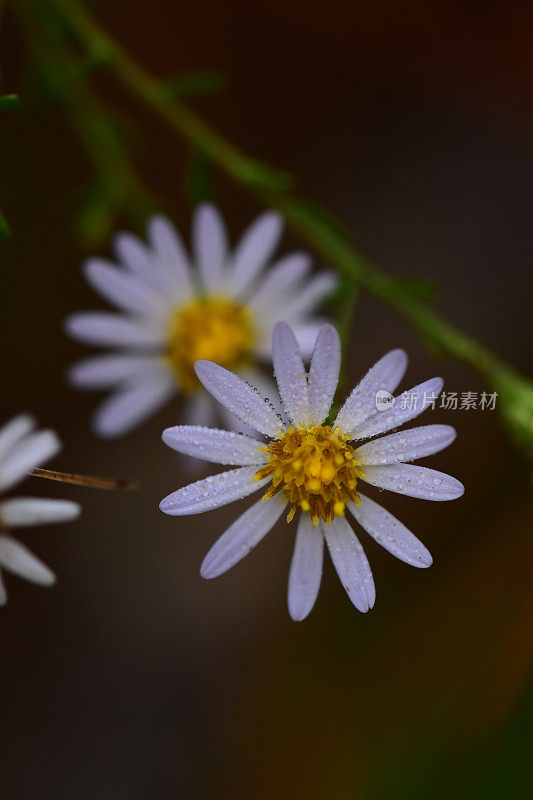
[8, 102]
[312, 224]
[118, 187]
[317, 227]
[5, 230]
[155, 93]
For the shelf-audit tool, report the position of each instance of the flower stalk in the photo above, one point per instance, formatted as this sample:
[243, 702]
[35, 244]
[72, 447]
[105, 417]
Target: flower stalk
[89, 481]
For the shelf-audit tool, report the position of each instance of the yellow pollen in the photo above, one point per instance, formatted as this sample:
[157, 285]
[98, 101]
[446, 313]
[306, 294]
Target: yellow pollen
[212, 327]
[315, 468]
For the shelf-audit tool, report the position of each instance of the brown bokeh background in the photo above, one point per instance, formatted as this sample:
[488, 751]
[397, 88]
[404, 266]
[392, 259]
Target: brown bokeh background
[134, 678]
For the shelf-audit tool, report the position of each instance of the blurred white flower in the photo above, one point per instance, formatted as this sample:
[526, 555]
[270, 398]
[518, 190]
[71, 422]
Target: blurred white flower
[22, 449]
[220, 305]
[315, 468]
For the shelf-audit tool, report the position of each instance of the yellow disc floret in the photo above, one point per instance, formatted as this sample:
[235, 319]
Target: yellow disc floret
[212, 327]
[316, 469]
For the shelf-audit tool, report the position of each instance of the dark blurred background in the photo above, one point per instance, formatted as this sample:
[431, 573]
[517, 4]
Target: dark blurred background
[134, 678]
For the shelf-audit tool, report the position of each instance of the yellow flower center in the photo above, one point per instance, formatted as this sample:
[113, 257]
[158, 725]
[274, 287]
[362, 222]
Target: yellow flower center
[315, 468]
[211, 327]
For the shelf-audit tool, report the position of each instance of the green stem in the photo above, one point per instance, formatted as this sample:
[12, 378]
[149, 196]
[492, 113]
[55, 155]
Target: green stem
[118, 184]
[5, 231]
[156, 94]
[314, 225]
[334, 247]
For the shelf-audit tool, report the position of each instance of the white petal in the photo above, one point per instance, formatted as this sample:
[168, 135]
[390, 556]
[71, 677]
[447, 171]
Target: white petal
[406, 445]
[414, 481]
[390, 533]
[212, 492]
[13, 431]
[17, 559]
[108, 329]
[266, 388]
[33, 451]
[170, 251]
[123, 289]
[212, 444]
[361, 403]
[280, 282]
[101, 372]
[307, 334]
[265, 385]
[350, 562]
[255, 249]
[314, 293]
[133, 402]
[241, 537]
[231, 423]
[324, 373]
[166, 241]
[3, 593]
[242, 400]
[290, 374]
[407, 406]
[210, 244]
[132, 252]
[306, 568]
[198, 409]
[37, 511]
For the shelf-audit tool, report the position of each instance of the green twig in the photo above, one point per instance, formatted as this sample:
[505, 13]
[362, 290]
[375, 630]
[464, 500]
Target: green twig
[194, 84]
[9, 101]
[118, 187]
[5, 230]
[155, 93]
[407, 296]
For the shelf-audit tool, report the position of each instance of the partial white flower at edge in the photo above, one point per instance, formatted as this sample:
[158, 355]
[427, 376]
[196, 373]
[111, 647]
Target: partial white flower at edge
[219, 305]
[315, 470]
[22, 449]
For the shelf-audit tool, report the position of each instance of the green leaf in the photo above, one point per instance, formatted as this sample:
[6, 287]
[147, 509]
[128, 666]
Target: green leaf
[320, 219]
[515, 403]
[323, 230]
[97, 58]
[95, 217]
[195, 83]
[5, 231]
[9, 101]
[344, 301]
[260, 177]
[200, 178]
[416, 288]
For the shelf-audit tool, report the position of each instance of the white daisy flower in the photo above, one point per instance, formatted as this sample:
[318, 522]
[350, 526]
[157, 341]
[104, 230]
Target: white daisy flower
[22, 449]
[221, 305]
[313, 468]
